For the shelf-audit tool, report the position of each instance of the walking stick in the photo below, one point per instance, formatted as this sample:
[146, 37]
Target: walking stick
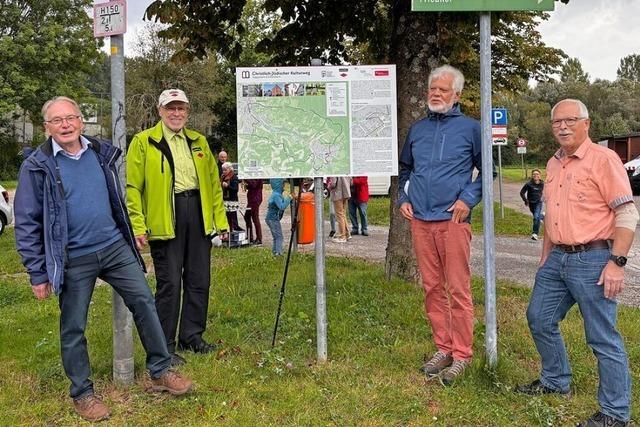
[294, 224]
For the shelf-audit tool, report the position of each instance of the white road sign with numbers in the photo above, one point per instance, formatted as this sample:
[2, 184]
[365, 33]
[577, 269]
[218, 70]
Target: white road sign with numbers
[110, 19]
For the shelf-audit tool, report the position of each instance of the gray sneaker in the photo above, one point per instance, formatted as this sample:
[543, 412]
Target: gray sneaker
[456, 369]
[438, 362]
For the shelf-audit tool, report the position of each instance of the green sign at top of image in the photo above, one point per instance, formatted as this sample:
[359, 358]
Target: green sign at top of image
[479, 5]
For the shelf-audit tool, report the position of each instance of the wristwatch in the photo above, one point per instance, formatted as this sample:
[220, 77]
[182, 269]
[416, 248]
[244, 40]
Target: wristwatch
[620, 260]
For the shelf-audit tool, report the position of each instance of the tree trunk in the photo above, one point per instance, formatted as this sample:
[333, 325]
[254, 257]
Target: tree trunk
[415, 50]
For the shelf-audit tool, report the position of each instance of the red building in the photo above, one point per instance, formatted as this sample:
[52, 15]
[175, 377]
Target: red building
[627, 146]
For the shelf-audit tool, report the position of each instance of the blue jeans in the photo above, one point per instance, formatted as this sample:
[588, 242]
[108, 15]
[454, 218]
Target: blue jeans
[276, 233]
[354, 207]
[117, 265]
[563, 280]
[536, 210]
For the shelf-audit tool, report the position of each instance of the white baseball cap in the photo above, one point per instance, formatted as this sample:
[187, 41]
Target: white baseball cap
[171, 95]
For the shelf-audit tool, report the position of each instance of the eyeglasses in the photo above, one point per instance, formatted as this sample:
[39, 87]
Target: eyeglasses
[569, 121]
[57, 121]
[177, 110]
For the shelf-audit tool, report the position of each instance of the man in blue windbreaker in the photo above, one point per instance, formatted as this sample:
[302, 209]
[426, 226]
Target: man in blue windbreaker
[71, 228]
[436, 193]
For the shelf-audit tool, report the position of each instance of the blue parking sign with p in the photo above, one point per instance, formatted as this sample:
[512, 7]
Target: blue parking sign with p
[499, 116]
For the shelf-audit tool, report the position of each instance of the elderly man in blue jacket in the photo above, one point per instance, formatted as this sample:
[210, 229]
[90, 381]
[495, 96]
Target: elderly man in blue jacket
[436, 193]
[71, 228]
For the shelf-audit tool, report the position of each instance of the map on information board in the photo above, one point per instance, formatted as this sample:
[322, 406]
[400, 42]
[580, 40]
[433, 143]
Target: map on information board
[316, 121]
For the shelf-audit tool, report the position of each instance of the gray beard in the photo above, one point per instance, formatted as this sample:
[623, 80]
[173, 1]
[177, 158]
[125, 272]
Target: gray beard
[440, 108]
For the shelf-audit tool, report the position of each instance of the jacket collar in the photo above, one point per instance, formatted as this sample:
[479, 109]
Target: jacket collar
[453, 112]
[45, 151]
[157, 134]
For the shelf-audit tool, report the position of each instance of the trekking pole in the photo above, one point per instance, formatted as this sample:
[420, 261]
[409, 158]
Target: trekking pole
[294, 224]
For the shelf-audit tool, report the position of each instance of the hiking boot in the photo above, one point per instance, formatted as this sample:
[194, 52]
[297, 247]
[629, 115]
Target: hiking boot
[534, 236]
[602, 420]
[536, 388]
[339, 240]
[91, 408]
[365, 233]
[438, 362]
[171, 382]
[456, 369]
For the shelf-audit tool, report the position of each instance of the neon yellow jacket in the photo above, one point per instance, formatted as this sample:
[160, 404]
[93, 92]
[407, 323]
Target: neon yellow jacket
[150, 185]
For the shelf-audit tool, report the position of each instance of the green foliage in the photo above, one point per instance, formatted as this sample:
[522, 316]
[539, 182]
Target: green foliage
[613, 109]
[377, 338]
[151, 71]
[630, 68]
[48, 49]
[572, 72]
[340, 32]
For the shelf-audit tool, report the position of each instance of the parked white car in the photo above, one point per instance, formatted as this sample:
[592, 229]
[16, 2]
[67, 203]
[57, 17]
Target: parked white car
[379, 185]
[6, 212]
[633, 170]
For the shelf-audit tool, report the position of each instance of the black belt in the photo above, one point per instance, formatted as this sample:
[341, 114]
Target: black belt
[188, 193]
[596, 244]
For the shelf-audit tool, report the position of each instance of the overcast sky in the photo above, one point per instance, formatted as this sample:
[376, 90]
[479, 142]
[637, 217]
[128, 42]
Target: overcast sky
[597, 32]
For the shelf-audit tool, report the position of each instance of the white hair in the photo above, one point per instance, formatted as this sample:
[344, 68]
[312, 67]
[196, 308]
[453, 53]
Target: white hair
[56, 99]
[458, 78]
[584, 113]
[227, 165]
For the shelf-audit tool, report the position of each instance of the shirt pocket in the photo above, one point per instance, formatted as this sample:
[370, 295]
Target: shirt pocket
[582, 188]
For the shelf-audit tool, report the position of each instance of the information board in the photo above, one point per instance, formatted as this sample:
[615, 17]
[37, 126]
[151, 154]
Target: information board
[317, 121]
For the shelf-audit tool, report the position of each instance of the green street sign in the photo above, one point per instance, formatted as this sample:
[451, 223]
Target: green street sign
[480, 5]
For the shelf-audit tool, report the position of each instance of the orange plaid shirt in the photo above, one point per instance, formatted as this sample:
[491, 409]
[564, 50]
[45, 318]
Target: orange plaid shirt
[581, 192]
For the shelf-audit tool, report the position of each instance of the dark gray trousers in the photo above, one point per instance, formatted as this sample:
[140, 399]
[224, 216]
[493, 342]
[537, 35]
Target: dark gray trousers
[182, 267]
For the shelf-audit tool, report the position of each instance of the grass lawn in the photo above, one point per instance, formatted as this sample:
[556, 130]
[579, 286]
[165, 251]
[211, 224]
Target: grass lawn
[9, 185]
[516, 174]
[377, 340]
[513, 224]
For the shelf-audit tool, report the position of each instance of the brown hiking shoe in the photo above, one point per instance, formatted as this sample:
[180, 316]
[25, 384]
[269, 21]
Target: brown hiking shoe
[172, 382]
[91, 408]
[438, 362]
[456, 369]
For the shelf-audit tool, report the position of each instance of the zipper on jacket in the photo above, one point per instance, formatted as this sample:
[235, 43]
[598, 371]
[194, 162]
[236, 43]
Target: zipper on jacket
[162, 163]
[442, 145]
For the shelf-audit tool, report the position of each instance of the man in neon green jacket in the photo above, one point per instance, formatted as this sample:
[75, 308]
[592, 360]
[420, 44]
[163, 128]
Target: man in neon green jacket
[174, 199]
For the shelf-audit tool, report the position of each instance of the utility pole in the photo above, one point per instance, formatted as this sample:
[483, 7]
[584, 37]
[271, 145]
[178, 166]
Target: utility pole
[109, 19]
[122, 318]
[321, 291]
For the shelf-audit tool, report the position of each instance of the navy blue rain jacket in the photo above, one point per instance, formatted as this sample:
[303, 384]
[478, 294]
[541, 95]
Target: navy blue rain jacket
[41, 214]
[437, 162]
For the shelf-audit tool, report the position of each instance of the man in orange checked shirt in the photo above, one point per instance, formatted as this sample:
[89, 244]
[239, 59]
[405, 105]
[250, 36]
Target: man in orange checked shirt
[589, 228]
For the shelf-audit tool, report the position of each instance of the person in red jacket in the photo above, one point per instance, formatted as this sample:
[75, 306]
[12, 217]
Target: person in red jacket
[358, 203]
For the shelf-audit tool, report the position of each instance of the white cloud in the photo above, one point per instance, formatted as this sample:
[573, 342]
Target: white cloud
[599, 33]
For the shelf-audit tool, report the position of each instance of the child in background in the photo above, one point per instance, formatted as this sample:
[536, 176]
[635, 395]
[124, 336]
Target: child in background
[275, 210]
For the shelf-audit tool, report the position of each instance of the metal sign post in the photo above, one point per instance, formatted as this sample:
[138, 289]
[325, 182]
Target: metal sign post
[321, 291]
[499, 138]
[110, 20]
[491, 331]
[522, 150]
